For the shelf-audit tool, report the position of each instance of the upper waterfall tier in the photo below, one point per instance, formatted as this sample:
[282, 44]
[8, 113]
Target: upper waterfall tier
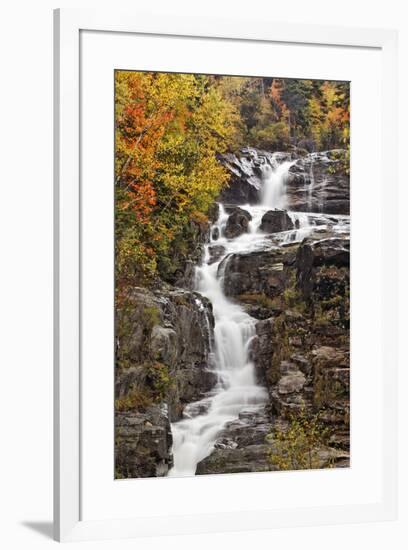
[315, 182]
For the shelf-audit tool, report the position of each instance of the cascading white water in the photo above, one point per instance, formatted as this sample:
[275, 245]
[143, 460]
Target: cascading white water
[273, 193]
[311, 184]
[195, 435]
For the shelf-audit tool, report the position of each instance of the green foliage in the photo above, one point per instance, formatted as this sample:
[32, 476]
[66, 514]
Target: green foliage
[158, 379]
[277, 113]
[153, 388]
[258, 299]
[150, 317]
[342, 159]
[289, 299]
[272, 137]
[137, 399]
[295, 446]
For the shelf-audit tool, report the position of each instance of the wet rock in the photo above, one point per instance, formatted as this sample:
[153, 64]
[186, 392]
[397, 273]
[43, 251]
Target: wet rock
[228, 461]
[215, 233]
[262, 272]
[246, 173]
[213, 212]
[245, 177]
[237, 223]
[216, 252]
[185, 278]
[260, 312]
[251, 428]
[318, 182]
[333, 251]
[240, 446]
[275, 221]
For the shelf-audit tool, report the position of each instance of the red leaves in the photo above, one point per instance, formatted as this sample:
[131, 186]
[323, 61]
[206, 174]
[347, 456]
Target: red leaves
[143, 200]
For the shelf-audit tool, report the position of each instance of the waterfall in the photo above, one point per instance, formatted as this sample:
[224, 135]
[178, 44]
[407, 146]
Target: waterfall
[195, 435]
[311, 185]
[274, 182]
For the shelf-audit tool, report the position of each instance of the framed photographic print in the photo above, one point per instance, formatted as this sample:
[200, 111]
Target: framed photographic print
[225, 305]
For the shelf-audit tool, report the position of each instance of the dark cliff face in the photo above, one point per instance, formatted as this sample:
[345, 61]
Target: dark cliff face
[164, 357]
[317, 182]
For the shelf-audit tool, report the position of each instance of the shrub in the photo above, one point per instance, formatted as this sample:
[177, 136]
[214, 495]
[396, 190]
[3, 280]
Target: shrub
[295, 448]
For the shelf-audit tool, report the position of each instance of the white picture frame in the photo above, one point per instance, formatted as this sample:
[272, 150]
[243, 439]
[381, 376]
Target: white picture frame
[68, 24]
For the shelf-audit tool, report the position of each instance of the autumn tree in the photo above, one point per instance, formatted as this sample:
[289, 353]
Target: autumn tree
[169, 128]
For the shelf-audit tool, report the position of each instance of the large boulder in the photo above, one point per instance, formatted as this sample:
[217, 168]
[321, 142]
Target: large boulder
[253, 458]
[293, 381]
[275, 221]
[241, 445]
[263, 272]
[216, 252]
[237, 223]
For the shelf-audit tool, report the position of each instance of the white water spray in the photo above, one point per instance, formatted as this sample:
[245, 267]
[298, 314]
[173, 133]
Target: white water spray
[275, 177]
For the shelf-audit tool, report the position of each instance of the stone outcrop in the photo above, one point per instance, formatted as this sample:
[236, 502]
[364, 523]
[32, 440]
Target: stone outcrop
[181, 273]
[263, 272]
[173, 328]
[164, 359]
[216, 252]
[275, 221]
[237, 223]
[246, 175]
[253, 458]
[142, 443]
[241, 446]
